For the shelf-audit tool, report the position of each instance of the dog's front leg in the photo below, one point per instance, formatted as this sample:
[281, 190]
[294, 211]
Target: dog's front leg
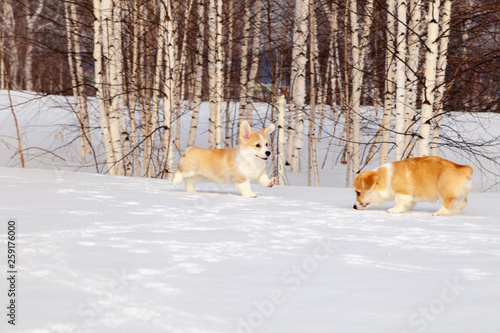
[245, 189]
[265, 181]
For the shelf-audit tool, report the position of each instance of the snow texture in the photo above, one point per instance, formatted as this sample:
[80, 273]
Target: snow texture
[114, 254]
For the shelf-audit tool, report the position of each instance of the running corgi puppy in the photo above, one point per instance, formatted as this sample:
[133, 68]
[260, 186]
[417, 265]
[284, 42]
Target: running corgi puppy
[413, 180]
[230, 165]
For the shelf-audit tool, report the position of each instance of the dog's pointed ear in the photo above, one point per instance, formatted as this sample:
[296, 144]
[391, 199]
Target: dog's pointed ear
[245, 131]
[269, 129]
[369, 180]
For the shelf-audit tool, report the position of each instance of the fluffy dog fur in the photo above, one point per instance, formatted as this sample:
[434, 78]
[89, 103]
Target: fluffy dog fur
[230, 165]
[413, 180]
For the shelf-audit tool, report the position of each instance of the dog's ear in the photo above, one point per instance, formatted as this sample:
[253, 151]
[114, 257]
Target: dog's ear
[269, 129]
[245, 131]
[369, 180]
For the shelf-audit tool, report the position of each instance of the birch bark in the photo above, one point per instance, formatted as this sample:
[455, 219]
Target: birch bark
[400, 80]
[298, 83]
[430, 77]
[198, 75]
[412, 64]
[440, 75]
[389, 81]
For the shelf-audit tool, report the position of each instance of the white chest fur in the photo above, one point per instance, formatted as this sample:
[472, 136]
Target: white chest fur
[249, 165]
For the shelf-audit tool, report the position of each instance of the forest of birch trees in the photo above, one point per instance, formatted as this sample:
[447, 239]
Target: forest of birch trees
[142, 65]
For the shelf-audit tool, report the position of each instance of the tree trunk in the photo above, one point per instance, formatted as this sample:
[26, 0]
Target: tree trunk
[440, 75]
[100, 84]
[412, 64]
[31, 20]
[255, 61]
[358, 58]
[280, 104]
[298, 83]
[430, 77]
[244, 64]
[389, 81]
[312, 156]
[400, 81]
[198, 75]
[170, 86]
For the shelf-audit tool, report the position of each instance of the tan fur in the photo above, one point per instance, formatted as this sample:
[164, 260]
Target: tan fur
[413, 180]
[230, 165]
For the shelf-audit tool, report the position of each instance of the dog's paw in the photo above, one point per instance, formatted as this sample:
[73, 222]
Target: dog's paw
[272, 182]
[395, 210]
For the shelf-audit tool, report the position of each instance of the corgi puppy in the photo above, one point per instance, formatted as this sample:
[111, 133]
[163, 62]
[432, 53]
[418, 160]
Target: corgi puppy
[230, 165]
[413, 180]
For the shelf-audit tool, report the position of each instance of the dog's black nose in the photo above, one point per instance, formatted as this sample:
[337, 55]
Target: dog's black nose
[268, 153]
[354, 207]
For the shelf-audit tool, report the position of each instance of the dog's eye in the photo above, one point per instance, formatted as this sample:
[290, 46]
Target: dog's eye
[257, 145]
[267, 144]
[358, 193]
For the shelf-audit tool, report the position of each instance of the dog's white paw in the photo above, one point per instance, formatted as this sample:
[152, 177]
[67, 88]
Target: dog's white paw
[395, 210]
[272, 182]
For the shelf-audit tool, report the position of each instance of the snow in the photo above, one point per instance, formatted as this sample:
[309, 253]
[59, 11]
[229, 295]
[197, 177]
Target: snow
[114, 254]
[100, 253]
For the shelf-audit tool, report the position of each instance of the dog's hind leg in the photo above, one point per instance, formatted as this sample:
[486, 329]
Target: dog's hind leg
[178, 178]
[190, 182]
[446, 209]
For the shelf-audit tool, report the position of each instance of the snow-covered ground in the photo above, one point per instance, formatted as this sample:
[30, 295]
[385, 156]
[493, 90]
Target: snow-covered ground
[113, 254]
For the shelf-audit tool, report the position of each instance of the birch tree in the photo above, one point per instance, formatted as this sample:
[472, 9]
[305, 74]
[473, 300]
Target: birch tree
[389, 80]
[215, 72]
[31, 22]
[440, 75]
[254, 67]
[100, 85]
[312, 157]
[198, 74]
[400, 80]
[170, 87]
[413, 61]
[244, 63]
[76, 71]
[359, 40]
[430, 77]
[298, 83]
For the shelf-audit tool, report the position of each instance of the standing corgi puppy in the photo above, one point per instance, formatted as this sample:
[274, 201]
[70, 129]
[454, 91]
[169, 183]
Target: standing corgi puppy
[230, 165]
[412, 180]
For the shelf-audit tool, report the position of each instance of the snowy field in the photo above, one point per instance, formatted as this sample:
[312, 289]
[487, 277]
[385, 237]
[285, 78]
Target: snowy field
[98, 253]
[113, 254]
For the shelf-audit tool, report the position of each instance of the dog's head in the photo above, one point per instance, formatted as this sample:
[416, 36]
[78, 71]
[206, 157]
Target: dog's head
[255, 143]
[367, 192]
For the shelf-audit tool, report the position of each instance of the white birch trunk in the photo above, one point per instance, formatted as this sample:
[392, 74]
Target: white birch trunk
[244, 63]
[111, 11]
[430, 77]
[31, 20]
[71, 46]
[389, 81]
[255, 60]
[100, 84]
[298, 84]
[413, 66]
[215, 72]
[180, 74]
[400, 81]
[440, 75]
[219, 89]
[198, 75]
[280, 104]
[358, 58]
[169, 92]
[312, 156]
